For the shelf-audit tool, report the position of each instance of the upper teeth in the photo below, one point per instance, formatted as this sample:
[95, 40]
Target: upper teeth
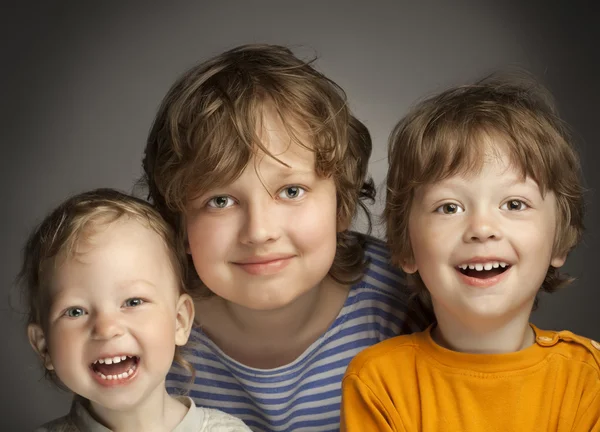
[111, 360]
[483, 266]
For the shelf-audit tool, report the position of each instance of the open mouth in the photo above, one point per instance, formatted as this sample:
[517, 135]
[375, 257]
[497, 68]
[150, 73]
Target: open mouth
[115, 368]
[483, 270]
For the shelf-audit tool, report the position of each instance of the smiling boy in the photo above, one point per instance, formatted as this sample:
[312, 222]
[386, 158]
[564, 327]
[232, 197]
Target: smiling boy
[484, 204]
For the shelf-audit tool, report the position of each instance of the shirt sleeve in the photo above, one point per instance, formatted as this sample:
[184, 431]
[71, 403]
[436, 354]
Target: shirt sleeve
[362, 410]
[590, 420]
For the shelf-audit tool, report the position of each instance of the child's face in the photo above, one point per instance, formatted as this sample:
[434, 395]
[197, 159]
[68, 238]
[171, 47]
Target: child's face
[493, 221]
[270, 236]
[118, 298]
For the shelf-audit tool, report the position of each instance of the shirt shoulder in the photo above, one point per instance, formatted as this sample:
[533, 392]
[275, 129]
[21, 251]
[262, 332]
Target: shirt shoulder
[215, 420]
[391, 352]
[571, 347]
[62, 424]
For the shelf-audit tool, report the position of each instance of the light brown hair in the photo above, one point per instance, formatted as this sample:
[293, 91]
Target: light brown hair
[205, 134]
[444, 135]
[75, 221]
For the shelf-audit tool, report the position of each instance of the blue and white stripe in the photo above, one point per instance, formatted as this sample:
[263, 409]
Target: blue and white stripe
[305, 395]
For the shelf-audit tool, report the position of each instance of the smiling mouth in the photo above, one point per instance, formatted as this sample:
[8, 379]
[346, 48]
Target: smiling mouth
[109, 369]
[480, 271]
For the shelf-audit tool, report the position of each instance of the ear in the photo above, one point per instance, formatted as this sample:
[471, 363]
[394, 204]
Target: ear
[38, 342]
[558, 261]
[409, 266]
[185, 319]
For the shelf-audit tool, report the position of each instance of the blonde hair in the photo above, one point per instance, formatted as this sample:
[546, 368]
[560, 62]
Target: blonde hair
[72, 223]
[445, 135]
[205, 133]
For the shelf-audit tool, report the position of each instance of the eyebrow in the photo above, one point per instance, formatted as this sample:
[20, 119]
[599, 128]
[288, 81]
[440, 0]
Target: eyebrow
[291, 172]
[134, 282]
[504, 182]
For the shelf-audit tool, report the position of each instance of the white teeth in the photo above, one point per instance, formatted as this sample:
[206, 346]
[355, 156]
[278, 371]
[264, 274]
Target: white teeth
[125, 374]
[483, 266]
[111, 360]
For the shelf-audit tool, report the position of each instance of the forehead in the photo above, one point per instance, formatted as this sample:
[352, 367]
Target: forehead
[111, 254]
[288, 145]
[469, 156]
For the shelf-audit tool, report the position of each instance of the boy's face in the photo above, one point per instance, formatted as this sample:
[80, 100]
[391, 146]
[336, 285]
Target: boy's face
[270, 236]
[118, 300]
[496, 224]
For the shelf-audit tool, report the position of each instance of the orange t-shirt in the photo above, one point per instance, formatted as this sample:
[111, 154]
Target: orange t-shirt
[409, 383]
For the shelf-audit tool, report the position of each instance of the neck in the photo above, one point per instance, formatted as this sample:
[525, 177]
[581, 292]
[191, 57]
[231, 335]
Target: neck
[282, 323]
[159, 412]
[493, 336]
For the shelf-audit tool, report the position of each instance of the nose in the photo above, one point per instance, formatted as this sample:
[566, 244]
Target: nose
[106, 326]
[482, 226]
[261, 222]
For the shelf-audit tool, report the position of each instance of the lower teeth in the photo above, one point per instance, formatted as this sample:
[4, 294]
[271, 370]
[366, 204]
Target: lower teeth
[118, 376]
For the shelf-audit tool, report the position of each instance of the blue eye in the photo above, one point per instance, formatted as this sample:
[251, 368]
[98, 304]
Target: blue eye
[220, 202]
[133, 302]
[449, 208]
[75, 312]
[514, 205]
[292, 192]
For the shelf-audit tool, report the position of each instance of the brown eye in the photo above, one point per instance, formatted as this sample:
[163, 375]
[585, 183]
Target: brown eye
[514, 205]
[449, 208]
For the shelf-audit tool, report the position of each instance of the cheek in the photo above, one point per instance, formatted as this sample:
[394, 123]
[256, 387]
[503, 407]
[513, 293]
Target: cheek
[208, 237]
[65, 348]
[429, 240]
[313, 225]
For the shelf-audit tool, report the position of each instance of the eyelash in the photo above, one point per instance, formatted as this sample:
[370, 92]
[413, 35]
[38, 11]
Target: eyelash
[523, 206]
[440, 208]
[301, 189]
[84, 312]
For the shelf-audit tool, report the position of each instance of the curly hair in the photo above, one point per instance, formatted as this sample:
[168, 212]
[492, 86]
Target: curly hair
[205, 134]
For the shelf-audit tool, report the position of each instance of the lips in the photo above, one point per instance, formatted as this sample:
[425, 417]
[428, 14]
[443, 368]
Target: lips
[265, 264]
[483, 271]
[115, 370]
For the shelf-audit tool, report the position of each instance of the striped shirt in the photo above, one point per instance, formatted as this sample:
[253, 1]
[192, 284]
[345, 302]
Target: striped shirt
[305, 395]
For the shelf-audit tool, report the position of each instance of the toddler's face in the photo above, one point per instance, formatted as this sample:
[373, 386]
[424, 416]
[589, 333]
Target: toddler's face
[112, 323]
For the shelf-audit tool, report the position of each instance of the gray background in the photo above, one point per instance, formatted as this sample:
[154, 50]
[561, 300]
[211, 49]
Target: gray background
[81, 82]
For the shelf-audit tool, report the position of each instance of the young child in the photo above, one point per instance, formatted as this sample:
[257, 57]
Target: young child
[256, 160]
[484, 204]
[103, 276]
